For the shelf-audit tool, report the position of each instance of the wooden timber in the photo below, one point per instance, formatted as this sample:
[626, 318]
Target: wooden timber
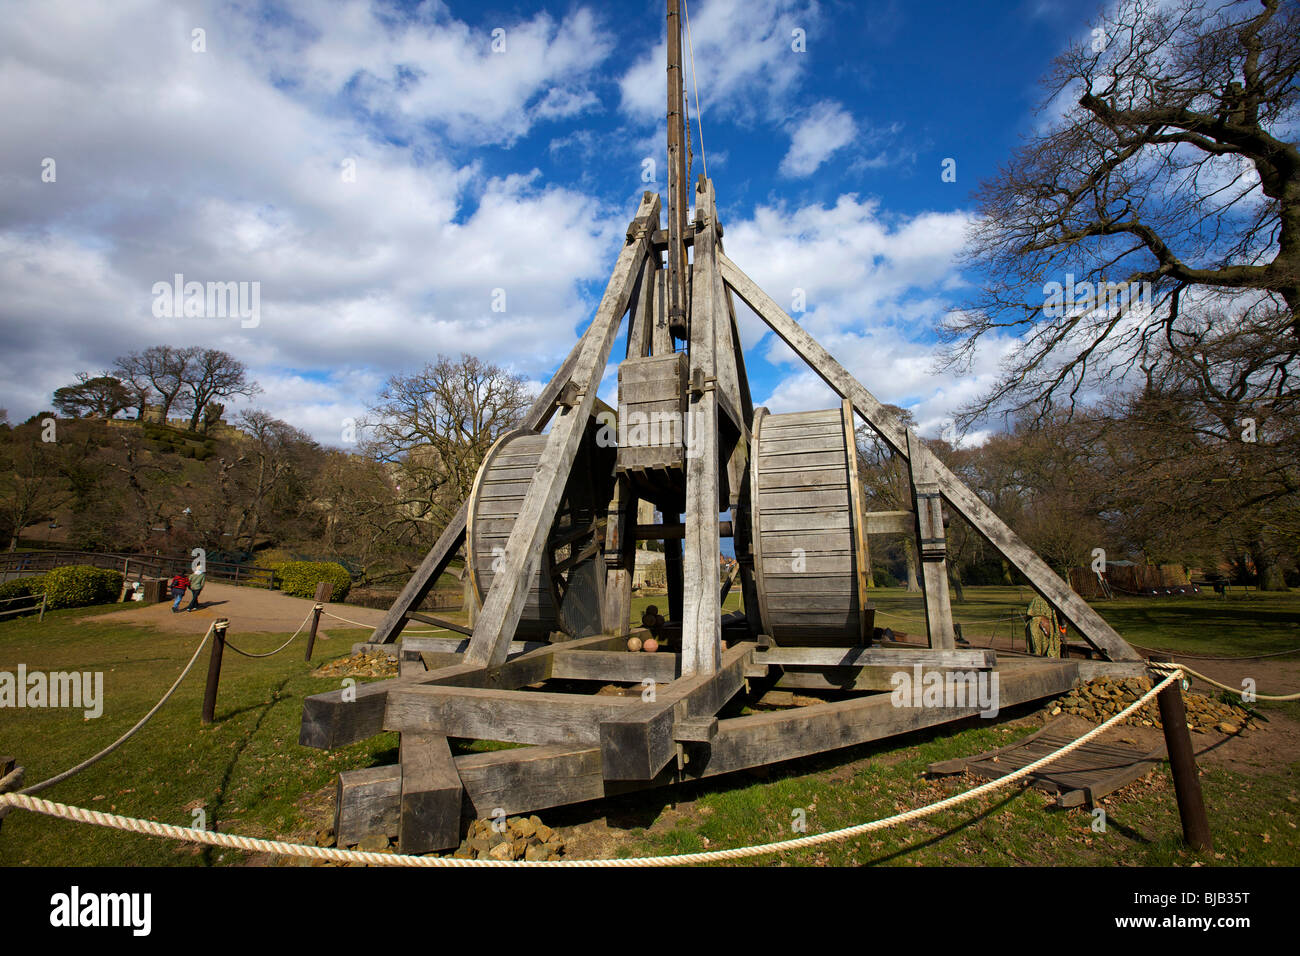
[931, 543]
[1080, 778]
[340, 717]
[701, 613]
[367, 803]
[531, 779]
[517, 716]
[637, 744]
[429, 816]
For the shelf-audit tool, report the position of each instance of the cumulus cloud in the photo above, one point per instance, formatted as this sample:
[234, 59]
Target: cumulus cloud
[827, 128]
[746, 63]
[480, 84]
[872, 289]
[373, 254]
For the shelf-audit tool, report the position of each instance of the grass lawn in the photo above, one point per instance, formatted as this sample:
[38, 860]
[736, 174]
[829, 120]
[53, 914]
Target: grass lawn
[248, 774]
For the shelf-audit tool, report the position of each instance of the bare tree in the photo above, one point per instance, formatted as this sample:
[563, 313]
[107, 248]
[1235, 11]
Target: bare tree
[276, 449]
[164, 368]
[1170, 167]
[32, 483]
[213, 374]
[438, 424]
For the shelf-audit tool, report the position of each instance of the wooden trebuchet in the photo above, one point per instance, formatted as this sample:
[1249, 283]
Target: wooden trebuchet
[802, 511]
[1044, 580]
[453, 536]
[550, 532]
[565, 591]
[504, 604]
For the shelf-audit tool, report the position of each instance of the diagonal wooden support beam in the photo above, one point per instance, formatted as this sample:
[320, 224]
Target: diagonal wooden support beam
[701, 612]
[505, 600]
[453, 536]
[1044, 580]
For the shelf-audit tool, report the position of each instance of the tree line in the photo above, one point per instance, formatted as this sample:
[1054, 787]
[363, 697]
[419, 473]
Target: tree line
[192, 381]
[259, 483]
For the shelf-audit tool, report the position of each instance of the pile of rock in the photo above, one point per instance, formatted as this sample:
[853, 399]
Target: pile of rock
[1100, 699]
[518, 838]
[361, 664]
[515, 838]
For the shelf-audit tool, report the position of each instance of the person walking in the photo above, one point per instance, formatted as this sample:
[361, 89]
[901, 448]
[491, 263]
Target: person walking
[196, 585]
[179, 585]
[1042, 633]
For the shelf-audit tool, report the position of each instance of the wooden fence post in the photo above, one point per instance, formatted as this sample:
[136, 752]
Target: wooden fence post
[1182, 762]
[214, 669]
[324, 590]
[315, 623]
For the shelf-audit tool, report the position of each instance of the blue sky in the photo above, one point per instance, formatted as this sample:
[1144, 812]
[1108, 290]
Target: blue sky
[478, 170]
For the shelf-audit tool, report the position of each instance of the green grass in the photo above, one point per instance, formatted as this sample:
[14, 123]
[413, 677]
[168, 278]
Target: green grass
[1240, 624]
[250, 776]
[246, 771]
[1251, 814]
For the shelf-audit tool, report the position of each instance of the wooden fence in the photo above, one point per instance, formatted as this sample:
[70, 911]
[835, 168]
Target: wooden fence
[22, 563]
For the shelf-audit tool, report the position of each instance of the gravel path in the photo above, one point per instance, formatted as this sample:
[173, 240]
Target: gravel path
[249, 610]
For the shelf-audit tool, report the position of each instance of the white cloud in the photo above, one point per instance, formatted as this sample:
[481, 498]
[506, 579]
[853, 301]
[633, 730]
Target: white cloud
[745, 62]
[874, 288]
[827, 127]
[485, 84]
[211, 166]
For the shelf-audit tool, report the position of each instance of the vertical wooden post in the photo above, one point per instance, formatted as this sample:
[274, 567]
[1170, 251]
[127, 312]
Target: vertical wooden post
[701, 614]
[214, 669]
[673, 577]
[620, 557]
[931, 544]
[1182, 763]
[311, 637]
[324, 591]
[676, 177]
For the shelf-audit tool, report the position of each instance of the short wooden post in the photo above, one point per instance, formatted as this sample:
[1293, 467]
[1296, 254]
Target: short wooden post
[11, 778]
[315, 623]
[1182, 761]
[214, 669]
[41, 619]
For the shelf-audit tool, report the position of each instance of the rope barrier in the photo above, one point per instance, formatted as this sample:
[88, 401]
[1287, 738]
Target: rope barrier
[233, 841]
[1206, 657]
[371, 627]
[1164, 666]
[38, 787]
[278, 649]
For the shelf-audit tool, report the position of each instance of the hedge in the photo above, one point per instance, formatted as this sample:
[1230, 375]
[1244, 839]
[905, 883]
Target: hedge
[299, 578]
[81, 585]
[22, 587]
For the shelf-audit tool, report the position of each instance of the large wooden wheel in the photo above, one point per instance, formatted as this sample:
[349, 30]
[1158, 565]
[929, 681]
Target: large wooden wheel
[808, 534]
[566, 591]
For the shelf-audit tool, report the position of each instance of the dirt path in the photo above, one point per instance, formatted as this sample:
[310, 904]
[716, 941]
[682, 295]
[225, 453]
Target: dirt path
[249, 610]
